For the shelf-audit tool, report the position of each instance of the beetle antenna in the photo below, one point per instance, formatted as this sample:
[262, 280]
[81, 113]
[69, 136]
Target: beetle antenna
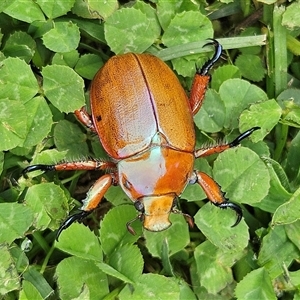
[128, 224]
[187, 217]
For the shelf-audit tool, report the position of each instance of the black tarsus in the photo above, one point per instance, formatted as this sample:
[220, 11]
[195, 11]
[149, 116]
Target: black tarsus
[70, 220]
[242, 136]
[234, 207]
[36, 168]
[209, 64]
[231, 205]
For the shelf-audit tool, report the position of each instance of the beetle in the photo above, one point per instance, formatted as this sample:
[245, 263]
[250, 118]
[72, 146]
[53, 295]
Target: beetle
[144, 121]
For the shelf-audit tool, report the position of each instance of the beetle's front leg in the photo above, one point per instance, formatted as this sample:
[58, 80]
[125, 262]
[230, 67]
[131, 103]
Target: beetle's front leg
[92, 200]
[215, 195]
[95, 193]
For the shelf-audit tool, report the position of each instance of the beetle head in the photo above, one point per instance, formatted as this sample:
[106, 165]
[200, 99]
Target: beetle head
[155, 211]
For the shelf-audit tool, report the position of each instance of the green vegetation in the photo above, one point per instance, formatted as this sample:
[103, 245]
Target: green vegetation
[50, 51]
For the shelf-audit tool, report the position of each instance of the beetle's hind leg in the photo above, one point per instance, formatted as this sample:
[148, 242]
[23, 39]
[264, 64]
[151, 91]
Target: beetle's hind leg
[202, 78]
[85, 119]
[215, 195]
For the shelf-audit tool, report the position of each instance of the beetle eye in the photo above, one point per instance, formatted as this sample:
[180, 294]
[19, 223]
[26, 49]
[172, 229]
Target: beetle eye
[139, 206]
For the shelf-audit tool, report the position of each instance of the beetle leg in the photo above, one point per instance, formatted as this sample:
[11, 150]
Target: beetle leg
[96, 192]
[215, 195]
[69, 166]
[92, 200]
[70, 220]
[202, 78]
[83, 116]
[220, 148]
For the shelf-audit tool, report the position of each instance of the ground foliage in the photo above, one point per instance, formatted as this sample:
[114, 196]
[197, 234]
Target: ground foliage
[50, 50]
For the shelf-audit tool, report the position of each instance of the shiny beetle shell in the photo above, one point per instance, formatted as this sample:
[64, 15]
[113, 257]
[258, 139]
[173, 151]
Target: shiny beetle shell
[133, 97]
